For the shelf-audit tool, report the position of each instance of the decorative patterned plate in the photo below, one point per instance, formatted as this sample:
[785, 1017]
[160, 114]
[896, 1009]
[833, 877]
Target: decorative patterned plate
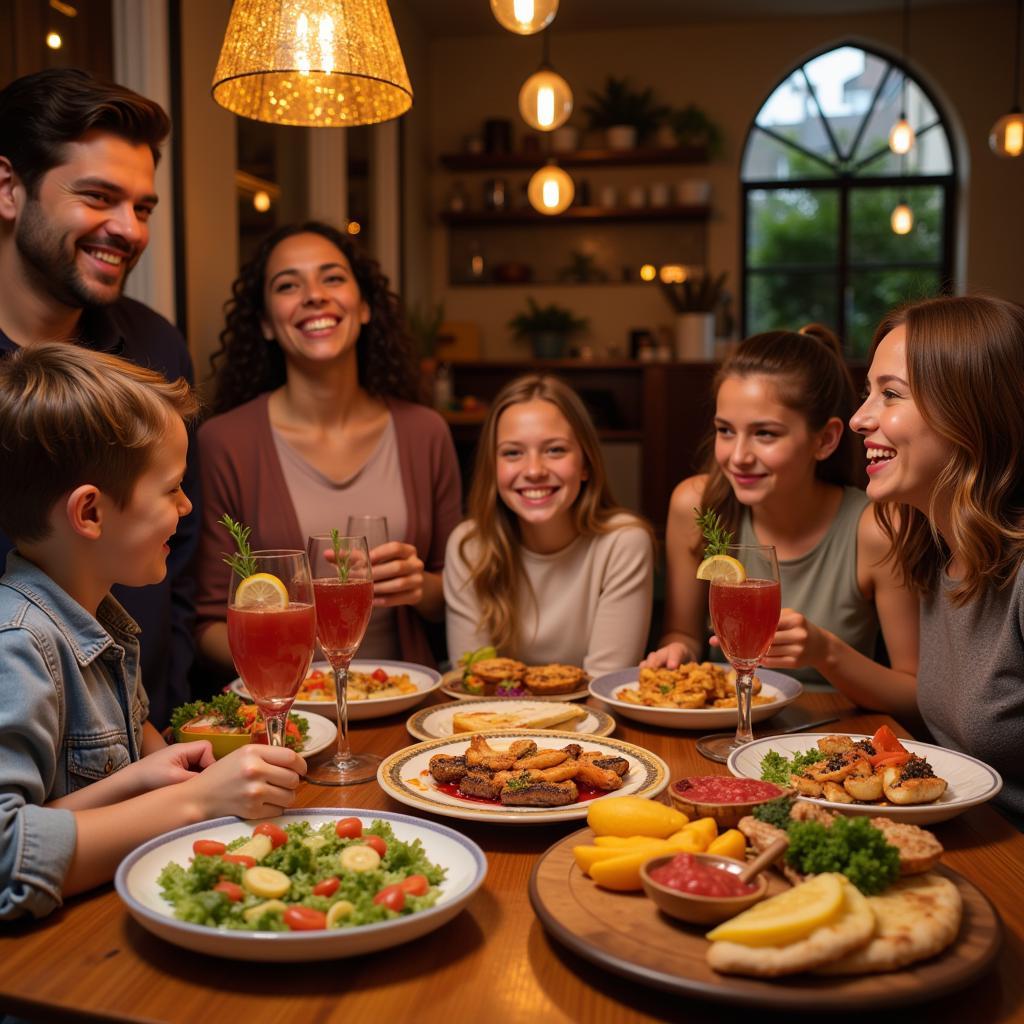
[426, 680]
[435, 723]
[784, 688]
[971, 782]
[405, 777]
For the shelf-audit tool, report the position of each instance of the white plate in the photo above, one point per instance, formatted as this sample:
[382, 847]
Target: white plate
[136, 883]
[970, 781]
[405, 777]
[426, 680]
[322, 733]
[436, 723]
[784, 688]
[450, 687]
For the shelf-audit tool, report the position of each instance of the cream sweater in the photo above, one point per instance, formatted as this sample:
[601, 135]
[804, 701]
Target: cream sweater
[588, 604]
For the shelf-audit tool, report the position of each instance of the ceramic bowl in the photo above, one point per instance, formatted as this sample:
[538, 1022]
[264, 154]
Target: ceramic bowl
[727, 814]
[695, 909]
[222, 742]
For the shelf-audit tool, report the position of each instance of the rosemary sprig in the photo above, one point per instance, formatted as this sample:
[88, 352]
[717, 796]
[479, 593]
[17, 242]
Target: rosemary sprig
[341, 561]
[717, 536]
[242, 562]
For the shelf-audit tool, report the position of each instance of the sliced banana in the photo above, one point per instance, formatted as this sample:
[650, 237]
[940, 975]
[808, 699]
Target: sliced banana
[359, 857]
[257, 847]
[267, 882]
[255, 913]
[314, 842]
[338, 912]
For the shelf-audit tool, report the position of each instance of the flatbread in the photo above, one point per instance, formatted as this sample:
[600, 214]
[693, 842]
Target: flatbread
[916, 917]
[853, 928]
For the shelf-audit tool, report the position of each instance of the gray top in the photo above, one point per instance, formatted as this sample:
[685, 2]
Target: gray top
[822, 584]
[970, 679]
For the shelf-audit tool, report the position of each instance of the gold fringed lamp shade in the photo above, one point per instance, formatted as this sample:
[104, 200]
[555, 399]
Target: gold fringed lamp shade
[315, 63]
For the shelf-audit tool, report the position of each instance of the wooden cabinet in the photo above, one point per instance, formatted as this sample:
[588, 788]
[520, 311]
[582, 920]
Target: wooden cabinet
[654, 416]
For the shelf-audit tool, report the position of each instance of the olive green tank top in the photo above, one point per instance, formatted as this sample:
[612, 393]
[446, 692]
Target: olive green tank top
[822, 584]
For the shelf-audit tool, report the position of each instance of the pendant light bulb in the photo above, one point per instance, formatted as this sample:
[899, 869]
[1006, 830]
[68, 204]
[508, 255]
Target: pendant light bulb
[902, 219]
[545, 100]
[550, 190]
[1007, 136]
[524, 17]
[901, 136]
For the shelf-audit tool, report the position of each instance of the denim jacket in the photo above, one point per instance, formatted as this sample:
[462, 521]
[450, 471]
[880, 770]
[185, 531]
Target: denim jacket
[71, 713]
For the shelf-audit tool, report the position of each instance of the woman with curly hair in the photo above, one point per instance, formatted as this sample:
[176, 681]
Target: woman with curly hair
[782, 471]
[315, 420]
[547, 567]
[943, 428]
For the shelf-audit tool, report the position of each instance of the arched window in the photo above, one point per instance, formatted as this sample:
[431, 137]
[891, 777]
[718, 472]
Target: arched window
[820, 184]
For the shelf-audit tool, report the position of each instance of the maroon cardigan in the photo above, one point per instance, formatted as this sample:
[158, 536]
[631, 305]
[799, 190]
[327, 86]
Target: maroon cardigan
[241, 475]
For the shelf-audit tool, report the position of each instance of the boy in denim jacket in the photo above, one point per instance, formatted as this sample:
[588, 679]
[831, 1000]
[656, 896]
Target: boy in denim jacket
[92, 454]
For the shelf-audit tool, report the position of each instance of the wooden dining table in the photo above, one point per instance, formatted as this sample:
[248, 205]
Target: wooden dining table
[493, 963]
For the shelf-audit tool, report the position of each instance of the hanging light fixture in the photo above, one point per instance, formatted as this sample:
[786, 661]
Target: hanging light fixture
[1007, 135]
[550, 190]
[314, 63]
[545, 98]
[902, 218]
[901, 135]
[524, 17]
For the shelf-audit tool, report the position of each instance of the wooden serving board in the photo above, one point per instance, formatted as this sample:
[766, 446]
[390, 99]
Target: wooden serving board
[627, 934]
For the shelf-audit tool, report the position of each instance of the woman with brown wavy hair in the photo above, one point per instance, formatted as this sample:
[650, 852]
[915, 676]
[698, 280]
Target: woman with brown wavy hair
[547, 567]
[315, 421]
[782, 472]
[943, 425]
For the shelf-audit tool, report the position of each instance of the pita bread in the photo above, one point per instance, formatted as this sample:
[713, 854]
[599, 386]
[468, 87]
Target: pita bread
[916, 917]
[853, 928]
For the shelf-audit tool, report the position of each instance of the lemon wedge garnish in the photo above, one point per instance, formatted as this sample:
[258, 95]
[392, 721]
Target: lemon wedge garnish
[261, 590]
[723, 568]
[788, 917]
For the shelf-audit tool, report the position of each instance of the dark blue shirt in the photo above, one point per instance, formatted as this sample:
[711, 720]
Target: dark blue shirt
[164, 611]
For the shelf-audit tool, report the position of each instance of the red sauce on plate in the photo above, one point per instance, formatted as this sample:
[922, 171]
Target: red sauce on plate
[687, 874]
[724, 789]
[452, 789]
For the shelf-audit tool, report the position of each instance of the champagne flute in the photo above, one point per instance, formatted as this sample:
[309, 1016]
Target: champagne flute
[745, 614]
[343, 591]
[373, 528]
[272, 632]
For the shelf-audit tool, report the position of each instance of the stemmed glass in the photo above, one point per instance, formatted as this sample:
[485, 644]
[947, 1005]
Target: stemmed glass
[373, 528]
[745, 615]
[343, 590]
[272, 632]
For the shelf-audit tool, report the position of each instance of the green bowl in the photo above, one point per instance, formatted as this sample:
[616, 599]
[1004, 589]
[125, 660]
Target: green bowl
[222, 742]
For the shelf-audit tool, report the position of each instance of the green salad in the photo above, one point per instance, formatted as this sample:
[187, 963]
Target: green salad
[300, 878]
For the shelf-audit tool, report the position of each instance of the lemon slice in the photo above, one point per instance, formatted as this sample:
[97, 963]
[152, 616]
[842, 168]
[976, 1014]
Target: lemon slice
[788, 917]
[723, 568]
[261, 590]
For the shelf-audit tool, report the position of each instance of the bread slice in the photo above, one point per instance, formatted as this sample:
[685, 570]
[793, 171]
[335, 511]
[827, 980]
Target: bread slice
[562, 715]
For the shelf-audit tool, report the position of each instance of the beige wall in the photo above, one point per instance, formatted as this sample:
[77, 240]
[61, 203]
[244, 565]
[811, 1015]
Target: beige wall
[963, 52]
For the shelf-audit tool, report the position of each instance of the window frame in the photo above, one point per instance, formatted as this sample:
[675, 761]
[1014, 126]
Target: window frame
[844, 181]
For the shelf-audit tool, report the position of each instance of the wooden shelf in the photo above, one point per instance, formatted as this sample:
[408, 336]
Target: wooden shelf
[624, 214]
[577, 158]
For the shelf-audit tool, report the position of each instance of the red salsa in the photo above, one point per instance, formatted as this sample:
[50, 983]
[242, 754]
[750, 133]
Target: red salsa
[688, 874]
[724, 789]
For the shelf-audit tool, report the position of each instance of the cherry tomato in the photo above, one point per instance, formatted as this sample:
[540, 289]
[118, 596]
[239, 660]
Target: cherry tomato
[380, 675]
[239, 858]
[328, 887]
[315, 674]
[230, 889]
[378, 844]
[885, 739]
[414, 885]
[391, 897]
[348, 828]
[208, 848]
[305, 919]
[276, 834]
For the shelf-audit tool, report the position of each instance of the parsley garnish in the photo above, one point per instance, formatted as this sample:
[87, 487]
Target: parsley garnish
[717, 536]
[243, 562]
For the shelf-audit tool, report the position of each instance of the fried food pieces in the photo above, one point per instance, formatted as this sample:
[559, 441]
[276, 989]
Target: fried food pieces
[549, 679]
[524, 775]
[692, 685]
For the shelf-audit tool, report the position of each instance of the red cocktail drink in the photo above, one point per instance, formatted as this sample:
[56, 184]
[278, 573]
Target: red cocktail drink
[272, 649]
[342, 613]
[745, 616]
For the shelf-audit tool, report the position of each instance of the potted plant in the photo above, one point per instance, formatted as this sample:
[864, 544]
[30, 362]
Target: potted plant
[547, 328]
[693, 128]
[627, 115]
[695, 300]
